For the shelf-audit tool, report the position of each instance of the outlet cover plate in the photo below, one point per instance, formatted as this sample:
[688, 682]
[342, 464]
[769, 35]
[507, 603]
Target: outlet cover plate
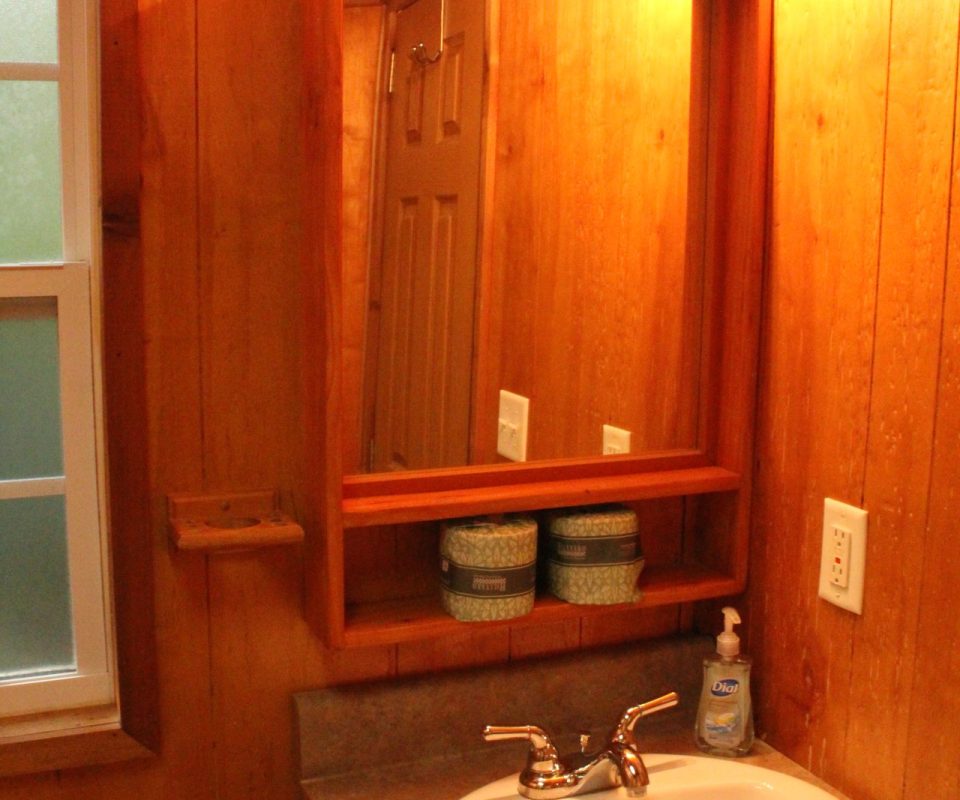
[839, 516]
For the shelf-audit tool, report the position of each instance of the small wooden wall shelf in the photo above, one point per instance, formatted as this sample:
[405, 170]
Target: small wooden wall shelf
[230, 521]
[407, 620]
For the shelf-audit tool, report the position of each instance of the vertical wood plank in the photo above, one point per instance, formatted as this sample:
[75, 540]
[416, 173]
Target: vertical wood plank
[362, 29]
[470, 649]
[599, 254]
[319, 491]
[919, 140]
[263, 651]
[626, 626]
[126, 401]
[932, 749]
[172, 362]
[816, 355]
[251, 162]
[541, 640]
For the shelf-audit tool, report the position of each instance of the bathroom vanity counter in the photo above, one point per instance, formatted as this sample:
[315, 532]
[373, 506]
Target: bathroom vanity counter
[420, 738]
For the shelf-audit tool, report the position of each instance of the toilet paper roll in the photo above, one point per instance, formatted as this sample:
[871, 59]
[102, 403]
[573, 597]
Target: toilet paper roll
[594, 555]
[488, 568]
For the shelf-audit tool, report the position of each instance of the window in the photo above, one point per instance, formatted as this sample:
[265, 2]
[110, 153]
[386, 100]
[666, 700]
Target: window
[56, 648]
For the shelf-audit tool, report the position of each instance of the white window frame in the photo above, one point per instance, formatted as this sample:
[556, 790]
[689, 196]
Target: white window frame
[50, 704]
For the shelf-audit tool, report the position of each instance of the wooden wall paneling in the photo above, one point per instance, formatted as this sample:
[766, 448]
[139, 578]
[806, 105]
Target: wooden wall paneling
[471, 648]
[320, 492]
[629, 625]
[370, 563]
[251, 162]
[932, 750]
[249, 215]
[125, 394]
[263, 651]
[394, 561]
[660, 523]
[595, 251]
[250, 222]
[484, 401]
[737, 188]
[913, 243]
[819, 292]
[374, 279]
[540, 640]
[363, 28]
[168, 207]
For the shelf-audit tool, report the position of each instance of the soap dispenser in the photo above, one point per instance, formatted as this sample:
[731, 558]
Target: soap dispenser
[725, 716]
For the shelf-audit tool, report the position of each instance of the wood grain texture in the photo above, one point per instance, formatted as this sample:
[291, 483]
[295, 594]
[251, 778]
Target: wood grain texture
[170, 241]
[857, 398]
[223, 400]
[449, 503]
[124, 372]
[587, 271]
[421, 618]
[250, 166]
[816, 363]
[319, 490]
[913, 236]
[362, 30]
[468, 648]
[931, 749]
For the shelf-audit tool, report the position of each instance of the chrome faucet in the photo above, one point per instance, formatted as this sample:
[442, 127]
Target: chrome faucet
[549, 775]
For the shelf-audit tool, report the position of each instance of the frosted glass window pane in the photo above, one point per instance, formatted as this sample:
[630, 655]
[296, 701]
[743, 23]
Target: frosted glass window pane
[30, 436]
[36, 631]
[30, 225]
[28, 31]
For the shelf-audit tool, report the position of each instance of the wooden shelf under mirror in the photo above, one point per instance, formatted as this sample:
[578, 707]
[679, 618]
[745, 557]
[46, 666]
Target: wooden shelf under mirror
[411, 619]
[716, 470]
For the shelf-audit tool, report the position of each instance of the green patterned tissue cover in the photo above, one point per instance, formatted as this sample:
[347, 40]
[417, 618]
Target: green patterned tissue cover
[487, 568]
[594, 555]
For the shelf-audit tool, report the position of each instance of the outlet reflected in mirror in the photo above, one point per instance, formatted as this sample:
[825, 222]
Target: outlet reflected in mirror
[524, 214]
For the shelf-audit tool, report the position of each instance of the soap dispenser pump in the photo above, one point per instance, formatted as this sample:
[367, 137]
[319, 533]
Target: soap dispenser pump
[725, 716]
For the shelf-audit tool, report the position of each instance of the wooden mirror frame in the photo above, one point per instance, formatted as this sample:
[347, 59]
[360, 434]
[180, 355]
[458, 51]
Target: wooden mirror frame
[719, 468]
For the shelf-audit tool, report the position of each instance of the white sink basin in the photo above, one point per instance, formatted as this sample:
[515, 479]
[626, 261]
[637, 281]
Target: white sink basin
[675, 777]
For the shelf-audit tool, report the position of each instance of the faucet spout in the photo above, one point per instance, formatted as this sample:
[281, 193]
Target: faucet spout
[633, 772]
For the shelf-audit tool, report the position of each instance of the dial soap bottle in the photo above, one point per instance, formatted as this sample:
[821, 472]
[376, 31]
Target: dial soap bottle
[725, 717]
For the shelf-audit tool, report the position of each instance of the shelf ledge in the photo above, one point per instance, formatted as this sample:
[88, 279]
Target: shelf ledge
[414, 619]
[392, 509]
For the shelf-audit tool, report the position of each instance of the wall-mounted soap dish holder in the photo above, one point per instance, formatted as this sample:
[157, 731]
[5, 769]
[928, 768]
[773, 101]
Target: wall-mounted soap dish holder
[235, 521]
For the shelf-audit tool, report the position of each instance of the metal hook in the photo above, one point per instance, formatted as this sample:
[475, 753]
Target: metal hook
[418, 52]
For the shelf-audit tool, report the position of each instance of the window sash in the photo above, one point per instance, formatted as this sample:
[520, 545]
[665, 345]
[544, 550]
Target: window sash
[93, 681]
[77, 75]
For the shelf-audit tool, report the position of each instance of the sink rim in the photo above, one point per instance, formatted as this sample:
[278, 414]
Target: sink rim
[679, 771]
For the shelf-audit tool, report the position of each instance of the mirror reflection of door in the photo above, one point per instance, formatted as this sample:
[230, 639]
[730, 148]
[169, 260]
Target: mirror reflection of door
[422, 306]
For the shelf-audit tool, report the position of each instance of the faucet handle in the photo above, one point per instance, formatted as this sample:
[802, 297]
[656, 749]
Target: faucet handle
[543, 757]
[537, 736]
[624, 730]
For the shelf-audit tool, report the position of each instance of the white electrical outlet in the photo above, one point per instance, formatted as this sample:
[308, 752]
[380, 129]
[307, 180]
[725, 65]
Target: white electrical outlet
[512, 425]
[616, 441]
[843, 555]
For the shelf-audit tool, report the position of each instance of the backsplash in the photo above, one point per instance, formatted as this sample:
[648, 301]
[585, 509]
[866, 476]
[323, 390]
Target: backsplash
[444, 713]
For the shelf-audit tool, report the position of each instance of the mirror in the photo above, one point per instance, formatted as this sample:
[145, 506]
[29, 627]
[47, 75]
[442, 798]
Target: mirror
[525, 213]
